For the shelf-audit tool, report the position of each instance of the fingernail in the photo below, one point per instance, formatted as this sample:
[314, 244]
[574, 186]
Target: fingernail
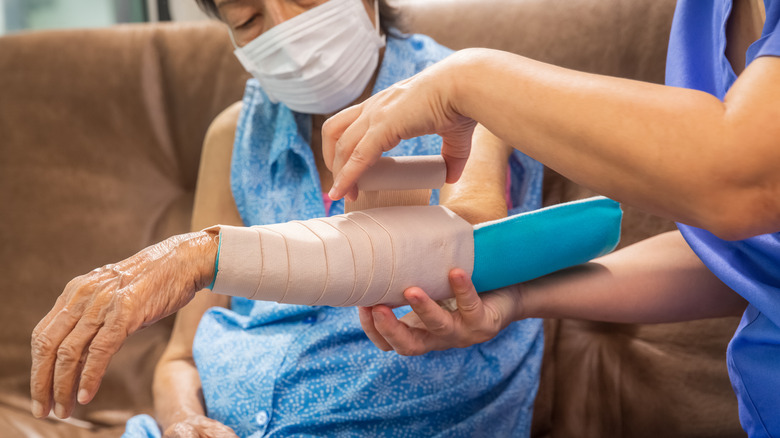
[459, 279]
[379, 317]
[83, 396]
[332, 193]
[413, 299]
[37, 409]
[59, 410]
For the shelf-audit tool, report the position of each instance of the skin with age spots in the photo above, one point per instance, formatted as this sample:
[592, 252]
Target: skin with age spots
[97, 311]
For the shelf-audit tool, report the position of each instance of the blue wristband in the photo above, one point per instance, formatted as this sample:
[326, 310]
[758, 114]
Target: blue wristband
[216, 263]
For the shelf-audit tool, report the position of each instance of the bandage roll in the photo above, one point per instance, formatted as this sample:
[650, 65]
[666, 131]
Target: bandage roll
[361, 258]
[405, 173]
[397, 181]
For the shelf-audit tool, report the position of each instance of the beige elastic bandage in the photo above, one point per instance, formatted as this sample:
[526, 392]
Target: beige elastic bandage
[397, 181]
[360, 258]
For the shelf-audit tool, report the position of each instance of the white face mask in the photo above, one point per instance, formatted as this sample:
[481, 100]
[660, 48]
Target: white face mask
[318, 61]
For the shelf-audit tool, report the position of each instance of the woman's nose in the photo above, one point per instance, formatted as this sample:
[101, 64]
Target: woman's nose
[280, 11]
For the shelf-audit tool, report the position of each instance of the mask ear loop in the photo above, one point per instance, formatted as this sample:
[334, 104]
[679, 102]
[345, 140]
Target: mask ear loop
[232, 38]
[246, 62]
[376, 18]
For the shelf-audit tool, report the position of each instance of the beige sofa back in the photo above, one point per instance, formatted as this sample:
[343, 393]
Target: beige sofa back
[100, 138]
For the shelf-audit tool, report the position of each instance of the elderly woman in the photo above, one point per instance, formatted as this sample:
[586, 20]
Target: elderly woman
[237, 366]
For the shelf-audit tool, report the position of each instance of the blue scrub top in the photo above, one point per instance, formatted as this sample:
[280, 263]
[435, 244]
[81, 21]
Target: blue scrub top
[697, 60]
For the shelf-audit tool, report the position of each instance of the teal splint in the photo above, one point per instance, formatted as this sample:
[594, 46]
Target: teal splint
[529, 245]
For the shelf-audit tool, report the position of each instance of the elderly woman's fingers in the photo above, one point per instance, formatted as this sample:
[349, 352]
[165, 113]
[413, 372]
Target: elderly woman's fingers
[367, 322]
[41, 379]
[106, 343]
[73, 344]
[46, 340]
[68, 366]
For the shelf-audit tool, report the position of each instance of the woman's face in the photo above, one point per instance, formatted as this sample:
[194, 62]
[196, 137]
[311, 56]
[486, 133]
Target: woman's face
[248, 19]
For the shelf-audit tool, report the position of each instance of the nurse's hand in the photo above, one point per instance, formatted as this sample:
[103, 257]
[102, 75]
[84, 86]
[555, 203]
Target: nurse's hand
[430, 327]
[199, 426]
[356, 137]
[72, 345]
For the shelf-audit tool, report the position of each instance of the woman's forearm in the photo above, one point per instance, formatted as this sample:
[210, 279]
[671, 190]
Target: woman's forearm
[679, 153]
[177, 391]
[654, 281]
[177, 386]
[479, 194]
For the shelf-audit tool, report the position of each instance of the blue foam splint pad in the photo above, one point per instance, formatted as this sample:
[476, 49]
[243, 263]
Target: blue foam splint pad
[529, 245]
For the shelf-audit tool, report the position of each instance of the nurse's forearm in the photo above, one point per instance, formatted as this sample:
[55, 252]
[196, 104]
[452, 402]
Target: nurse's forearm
[655, 281]
[678, 153]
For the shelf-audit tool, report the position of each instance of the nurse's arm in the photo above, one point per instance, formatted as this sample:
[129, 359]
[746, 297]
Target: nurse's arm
[658, 280]
[678, 153]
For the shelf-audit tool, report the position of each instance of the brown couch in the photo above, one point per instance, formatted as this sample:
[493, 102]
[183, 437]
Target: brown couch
[100, 137]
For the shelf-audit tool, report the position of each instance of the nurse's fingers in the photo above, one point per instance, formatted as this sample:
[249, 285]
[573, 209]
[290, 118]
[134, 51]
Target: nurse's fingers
[347, 150]
[367, 322]
[405, 340]
[352, 161]
[438, 321]
[469, 303]
[456, 149]
[333, 129]
[107, 342]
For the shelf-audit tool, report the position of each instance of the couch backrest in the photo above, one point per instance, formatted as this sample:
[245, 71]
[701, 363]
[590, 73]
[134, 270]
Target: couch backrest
[100, 138]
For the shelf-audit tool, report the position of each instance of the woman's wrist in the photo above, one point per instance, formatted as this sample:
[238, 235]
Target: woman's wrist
[200, 249]
[176, 390]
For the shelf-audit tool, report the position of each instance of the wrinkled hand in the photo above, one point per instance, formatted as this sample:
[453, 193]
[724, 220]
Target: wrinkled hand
[430, 327]
[73, 344]
[199, 426]
[355, 138]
